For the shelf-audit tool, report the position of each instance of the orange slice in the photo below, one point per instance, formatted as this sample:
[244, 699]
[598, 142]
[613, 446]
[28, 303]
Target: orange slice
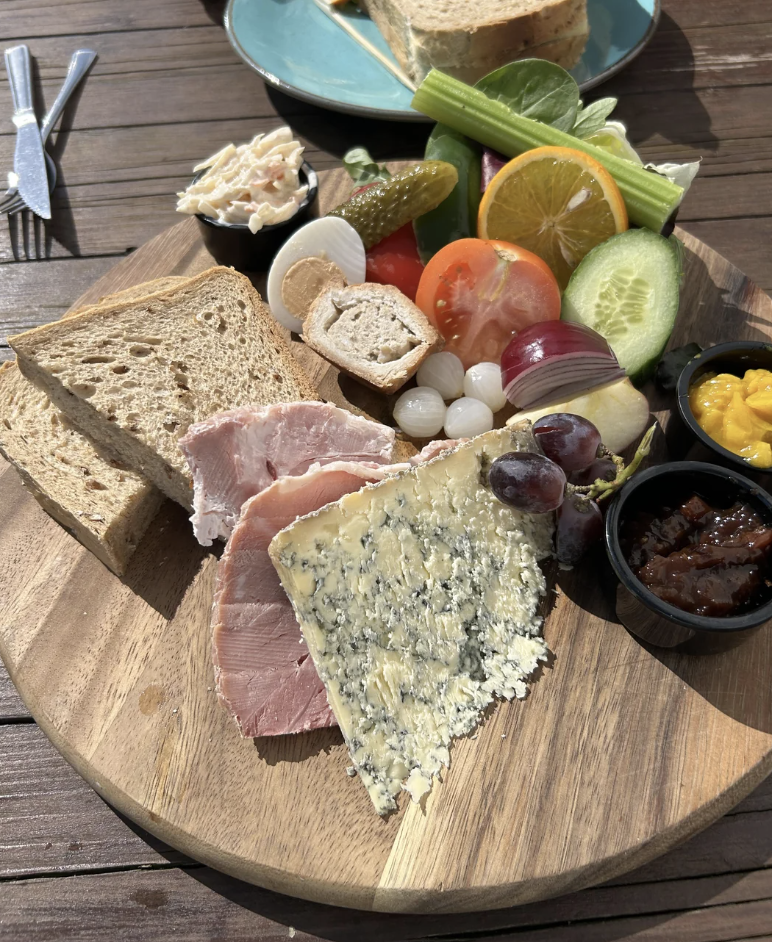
[557, 202]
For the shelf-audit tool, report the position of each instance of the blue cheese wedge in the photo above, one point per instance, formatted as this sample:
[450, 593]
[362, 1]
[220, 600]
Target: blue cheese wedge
[418, 598]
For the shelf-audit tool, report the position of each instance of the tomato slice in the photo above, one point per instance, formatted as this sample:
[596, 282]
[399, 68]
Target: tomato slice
[395, 261]
[479, 294]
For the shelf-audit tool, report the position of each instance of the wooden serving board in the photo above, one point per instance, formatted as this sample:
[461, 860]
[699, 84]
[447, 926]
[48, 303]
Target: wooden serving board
[617, 754]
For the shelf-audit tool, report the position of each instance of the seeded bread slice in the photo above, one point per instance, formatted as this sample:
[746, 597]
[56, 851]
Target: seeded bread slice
[106, 506]
[134, 375]
[372, 332]
[566, 52]
[468, 40]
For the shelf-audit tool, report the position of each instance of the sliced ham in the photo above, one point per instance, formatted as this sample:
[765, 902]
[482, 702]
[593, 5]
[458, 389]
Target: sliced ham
[265, 675]
[237, 454]
[433, 449]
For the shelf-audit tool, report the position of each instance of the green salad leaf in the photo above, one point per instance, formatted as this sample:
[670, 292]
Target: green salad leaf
[362, 168]
[456, 217]
[593, 117]
[537, 89]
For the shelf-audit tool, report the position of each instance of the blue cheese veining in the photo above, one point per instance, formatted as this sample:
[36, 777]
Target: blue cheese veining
[418, 599]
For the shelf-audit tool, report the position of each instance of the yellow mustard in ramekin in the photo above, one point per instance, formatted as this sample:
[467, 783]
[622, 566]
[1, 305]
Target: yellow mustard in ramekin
[736, 413]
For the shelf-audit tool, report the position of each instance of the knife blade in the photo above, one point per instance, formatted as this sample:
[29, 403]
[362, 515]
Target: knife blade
[29, 162]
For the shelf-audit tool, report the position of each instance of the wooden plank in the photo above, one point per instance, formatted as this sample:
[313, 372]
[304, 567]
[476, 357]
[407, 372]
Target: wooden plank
[731, 156]
[731, 56]
[745, 242]
[32, 18]
[36, 294]
[146, 78]
[200, 904]
[701, 58]
[53, 822]
[699, 117]
[11, 705]
[141, 159]
[759, 800]
[692, 14]
[727, 197]
[157, 151]
[736, 842]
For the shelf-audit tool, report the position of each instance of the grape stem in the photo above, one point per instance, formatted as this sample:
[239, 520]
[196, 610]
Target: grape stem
[602, 489]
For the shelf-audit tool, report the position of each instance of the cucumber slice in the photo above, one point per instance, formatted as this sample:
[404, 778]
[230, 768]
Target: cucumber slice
[627, 289]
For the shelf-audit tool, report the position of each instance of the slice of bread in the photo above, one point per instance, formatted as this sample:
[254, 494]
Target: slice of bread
[468, 40]
[106, 506]
[372, 332]
[133, 375]
[103, 504]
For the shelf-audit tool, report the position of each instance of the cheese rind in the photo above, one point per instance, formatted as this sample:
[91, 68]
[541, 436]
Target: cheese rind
[418, 598]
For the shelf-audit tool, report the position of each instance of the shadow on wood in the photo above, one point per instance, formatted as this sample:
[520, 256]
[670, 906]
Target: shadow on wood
[61, 226]
[336, 133]
[166, 561]
[694, 124]
[276, 749]
[215, 10]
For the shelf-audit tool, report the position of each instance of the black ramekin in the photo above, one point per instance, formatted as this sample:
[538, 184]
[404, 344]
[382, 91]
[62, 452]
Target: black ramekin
[233, 244]
[684, 436]
[640, 610]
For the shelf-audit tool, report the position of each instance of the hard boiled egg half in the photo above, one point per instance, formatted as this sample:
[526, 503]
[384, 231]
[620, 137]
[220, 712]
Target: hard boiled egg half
[325, 253]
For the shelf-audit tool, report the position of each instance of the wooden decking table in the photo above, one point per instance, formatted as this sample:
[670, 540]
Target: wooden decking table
[168, 90]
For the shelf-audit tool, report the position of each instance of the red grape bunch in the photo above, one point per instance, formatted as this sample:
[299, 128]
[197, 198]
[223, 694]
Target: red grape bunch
[573, 473]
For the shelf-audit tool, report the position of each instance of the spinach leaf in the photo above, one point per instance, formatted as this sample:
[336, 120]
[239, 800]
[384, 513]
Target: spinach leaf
[536, 89]
[362, 168]
[593, 117]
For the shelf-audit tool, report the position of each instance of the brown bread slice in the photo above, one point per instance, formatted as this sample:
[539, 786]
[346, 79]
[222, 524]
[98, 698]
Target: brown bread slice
[134, 375]
[469, 39]
[105, 506]
[373, 332]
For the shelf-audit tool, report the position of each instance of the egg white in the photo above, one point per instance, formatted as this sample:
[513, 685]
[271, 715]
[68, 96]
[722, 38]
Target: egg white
[330, 238]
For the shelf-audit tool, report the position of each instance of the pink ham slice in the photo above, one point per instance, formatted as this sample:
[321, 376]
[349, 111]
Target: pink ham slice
[265, 675]
[434, 449]
[237, 454]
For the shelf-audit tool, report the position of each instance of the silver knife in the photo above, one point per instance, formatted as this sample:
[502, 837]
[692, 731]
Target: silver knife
[29, 162]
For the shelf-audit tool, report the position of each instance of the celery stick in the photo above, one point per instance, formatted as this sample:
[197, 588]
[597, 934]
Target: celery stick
[651, 200]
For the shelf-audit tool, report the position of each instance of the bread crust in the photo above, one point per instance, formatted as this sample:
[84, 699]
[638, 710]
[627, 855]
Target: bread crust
[423, 36]
[106, 508]
[565, 52]
[384, 340]
[134, 375]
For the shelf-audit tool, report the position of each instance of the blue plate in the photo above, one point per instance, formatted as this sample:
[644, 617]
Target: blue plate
[298, 49]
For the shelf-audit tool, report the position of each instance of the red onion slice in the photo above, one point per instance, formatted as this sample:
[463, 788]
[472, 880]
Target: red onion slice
[555, 360]
[492, 162]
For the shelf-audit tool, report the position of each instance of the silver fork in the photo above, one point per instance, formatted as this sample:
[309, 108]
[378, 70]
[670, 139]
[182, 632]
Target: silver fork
[81, 62]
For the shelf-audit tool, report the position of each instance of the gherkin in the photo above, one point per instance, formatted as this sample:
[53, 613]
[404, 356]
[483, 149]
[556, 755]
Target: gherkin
[382, 209]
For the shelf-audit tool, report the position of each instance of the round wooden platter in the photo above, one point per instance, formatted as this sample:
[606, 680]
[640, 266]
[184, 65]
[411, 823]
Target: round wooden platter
[617, 754]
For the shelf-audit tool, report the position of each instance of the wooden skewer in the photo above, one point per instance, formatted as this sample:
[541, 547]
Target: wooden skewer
[348, 27]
